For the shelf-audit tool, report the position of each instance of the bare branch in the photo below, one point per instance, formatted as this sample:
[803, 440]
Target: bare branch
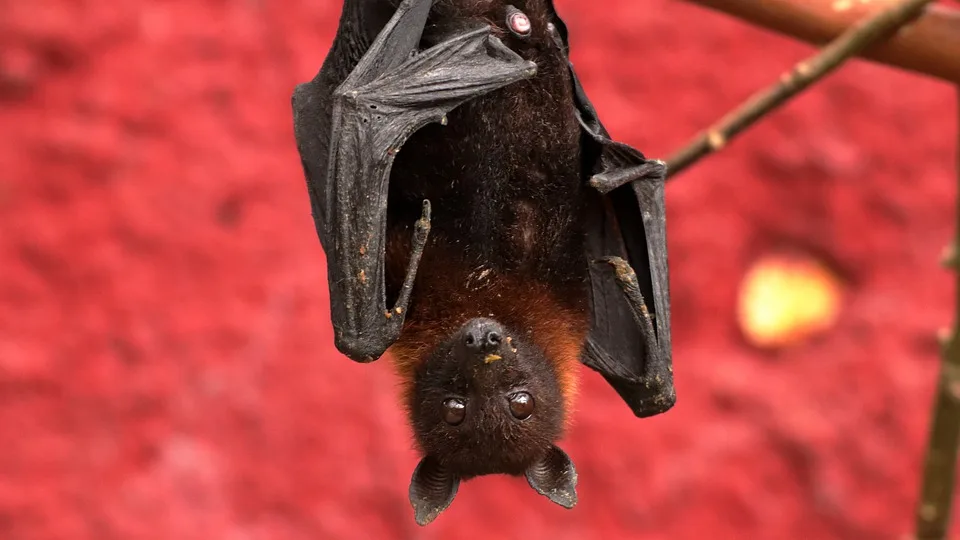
[850, 43]
[940, 468]
[931, 45]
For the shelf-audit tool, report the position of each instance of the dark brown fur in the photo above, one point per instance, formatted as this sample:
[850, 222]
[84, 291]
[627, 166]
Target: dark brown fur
[505, 181]
[458, 293]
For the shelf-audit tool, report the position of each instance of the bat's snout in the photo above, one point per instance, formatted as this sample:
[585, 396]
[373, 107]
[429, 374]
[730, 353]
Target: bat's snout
[482, 336]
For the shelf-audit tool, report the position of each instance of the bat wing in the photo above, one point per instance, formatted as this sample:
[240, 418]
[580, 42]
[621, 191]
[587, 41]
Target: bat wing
[629, 340]
[348, 134]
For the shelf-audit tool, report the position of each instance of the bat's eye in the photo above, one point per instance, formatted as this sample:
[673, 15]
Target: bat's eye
[453, 411]
[518, 22]
[521, 405]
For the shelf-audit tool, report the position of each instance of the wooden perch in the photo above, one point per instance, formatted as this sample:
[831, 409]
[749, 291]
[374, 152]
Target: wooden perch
[940, 466]
[852, 42]
[931, 45]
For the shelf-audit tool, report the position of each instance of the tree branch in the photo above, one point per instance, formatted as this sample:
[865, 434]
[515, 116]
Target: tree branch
[849, 44]
[940, 468]
[930, 46]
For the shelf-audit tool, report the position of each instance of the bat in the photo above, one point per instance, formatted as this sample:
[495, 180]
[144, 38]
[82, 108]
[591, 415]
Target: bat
[480, 224]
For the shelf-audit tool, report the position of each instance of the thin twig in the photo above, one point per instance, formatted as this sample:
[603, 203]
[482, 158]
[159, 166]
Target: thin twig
[849, 44]
[931, 46]
[940, 468]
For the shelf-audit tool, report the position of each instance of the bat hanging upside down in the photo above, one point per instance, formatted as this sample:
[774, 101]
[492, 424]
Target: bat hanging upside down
[479, 222]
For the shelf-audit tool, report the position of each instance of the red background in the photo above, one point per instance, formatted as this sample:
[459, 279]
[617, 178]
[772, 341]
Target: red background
[166, 367]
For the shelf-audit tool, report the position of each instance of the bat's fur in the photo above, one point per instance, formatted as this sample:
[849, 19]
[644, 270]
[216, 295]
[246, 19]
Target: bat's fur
[497, 324]
[459, 292]
[505, 181]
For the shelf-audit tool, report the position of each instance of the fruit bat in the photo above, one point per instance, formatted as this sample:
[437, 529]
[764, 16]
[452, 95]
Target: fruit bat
[480, 224]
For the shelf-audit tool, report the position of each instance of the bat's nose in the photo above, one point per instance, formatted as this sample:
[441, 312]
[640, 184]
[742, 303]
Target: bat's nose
[482, 335]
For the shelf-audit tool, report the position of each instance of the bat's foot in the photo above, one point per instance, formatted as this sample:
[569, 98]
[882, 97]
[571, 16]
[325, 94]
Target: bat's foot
[651, 392]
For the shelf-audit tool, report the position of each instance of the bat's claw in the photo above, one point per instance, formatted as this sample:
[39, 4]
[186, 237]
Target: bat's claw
[422, 225]
[652, 170]
[625, 274]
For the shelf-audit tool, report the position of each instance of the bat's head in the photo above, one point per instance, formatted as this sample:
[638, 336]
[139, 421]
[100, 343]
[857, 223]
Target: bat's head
[486, 401]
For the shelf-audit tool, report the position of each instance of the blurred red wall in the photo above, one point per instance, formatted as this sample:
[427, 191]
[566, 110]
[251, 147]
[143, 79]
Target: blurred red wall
[166, 367]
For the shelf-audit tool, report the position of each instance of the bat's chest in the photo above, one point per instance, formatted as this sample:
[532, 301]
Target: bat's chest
[504, 176]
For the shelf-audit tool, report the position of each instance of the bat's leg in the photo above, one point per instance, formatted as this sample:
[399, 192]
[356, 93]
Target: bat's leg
[654, 386]
[420, 234]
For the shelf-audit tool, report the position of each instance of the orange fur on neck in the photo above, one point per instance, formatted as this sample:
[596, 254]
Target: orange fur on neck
[449, 295]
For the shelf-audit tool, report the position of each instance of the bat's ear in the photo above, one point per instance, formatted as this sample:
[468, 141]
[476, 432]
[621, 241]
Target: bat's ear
[432, 489]
[555, 477]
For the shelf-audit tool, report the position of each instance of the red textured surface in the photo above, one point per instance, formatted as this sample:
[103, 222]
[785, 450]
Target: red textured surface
[166, 368]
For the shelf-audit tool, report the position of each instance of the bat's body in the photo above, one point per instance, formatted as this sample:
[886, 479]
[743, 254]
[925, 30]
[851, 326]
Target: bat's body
[507, 235]
[491, 294]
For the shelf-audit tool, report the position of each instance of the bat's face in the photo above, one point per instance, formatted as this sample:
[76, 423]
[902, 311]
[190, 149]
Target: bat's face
[485, 402]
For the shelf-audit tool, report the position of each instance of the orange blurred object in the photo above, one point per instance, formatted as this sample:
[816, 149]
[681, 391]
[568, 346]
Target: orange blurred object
[784, 300]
